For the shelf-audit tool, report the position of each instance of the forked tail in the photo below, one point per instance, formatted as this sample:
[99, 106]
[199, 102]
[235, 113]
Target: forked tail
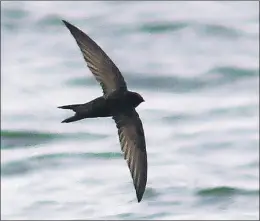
[76, 117]
[95, 108]
[75, 108]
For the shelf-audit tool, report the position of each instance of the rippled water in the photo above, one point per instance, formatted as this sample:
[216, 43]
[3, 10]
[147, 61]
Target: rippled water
[196, 65]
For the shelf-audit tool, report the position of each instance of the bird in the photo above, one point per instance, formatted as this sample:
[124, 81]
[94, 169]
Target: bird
[116, 102]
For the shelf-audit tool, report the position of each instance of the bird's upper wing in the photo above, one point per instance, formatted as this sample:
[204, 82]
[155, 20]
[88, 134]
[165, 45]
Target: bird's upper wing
[132, 140]
[103, 68]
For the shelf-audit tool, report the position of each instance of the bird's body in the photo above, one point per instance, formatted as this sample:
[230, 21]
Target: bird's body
[117, 102]
[104, 106]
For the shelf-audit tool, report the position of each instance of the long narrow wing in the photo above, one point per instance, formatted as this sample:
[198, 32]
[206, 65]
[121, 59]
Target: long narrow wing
[132, 140]
[102, 67]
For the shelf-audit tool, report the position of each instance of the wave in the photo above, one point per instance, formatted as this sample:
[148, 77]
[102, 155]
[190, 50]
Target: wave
[225, 191]
[162, 27]
[50, 161]
[17, 139]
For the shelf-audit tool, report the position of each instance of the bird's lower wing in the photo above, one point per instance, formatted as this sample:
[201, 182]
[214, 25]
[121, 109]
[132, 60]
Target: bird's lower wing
[132, 140]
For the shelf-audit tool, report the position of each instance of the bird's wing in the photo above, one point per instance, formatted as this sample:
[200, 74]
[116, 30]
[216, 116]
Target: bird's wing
[132, 140]
[103, 68]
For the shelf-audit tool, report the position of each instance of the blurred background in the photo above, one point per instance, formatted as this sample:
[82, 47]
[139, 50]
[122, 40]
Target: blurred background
[196, 65]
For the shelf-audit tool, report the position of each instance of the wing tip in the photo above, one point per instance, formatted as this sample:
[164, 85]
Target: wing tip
[67, 24]
[139, 195]
[64, 21]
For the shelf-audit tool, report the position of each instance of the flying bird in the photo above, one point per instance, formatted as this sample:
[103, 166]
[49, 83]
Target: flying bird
[116, 102]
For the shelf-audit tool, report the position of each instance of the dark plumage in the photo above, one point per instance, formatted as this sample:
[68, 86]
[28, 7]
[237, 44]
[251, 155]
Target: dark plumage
[117, 102]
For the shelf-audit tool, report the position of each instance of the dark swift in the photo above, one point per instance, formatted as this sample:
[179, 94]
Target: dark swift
[117, 102]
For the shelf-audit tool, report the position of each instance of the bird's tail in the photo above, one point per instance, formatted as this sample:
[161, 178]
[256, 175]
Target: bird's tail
[75, 108]
[76, 117]
[91, 109]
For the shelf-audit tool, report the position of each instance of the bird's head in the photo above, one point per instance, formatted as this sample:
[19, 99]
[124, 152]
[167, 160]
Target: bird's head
[136, 99]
